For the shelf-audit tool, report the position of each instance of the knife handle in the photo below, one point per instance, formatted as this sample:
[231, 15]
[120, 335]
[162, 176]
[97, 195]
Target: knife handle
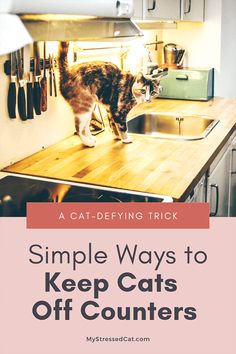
[21, 103]
[54, 84]
[30, 101]
[37, 98]
[43, 94]
[50, 82]
[11, 100]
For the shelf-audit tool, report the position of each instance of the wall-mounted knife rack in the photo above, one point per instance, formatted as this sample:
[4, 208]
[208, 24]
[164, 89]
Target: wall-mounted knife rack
[7, 65]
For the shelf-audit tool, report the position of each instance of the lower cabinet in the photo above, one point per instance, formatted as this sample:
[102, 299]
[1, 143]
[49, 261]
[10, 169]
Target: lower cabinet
[218, 185]
[232, 180]
[198, 195]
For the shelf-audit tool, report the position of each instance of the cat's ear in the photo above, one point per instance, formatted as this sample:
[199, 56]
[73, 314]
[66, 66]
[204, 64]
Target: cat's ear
[157, 78]
[140, 78]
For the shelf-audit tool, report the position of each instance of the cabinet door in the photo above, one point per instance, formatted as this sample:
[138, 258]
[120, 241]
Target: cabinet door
[138, 10]
[198, 195]
[200, 191]
[161, 9]
[192, 10]
[232, 181]
[218, 187]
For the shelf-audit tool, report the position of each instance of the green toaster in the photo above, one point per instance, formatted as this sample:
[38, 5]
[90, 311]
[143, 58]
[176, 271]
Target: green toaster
[188, 84]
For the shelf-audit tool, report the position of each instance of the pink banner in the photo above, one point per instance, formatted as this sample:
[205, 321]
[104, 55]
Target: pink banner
[68, 291]
[118, 215]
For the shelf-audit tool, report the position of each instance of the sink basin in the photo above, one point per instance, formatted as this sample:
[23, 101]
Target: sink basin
[172, 126]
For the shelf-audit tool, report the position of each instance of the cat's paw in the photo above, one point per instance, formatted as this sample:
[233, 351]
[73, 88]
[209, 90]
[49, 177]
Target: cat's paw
[116, 137]
[126, 139]
[87, 141]
[93, 139]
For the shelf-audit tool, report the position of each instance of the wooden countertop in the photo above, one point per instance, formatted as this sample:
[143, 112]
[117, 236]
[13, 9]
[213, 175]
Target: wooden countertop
[158, 166]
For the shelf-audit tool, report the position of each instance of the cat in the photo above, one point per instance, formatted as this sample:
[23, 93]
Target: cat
[82, 85]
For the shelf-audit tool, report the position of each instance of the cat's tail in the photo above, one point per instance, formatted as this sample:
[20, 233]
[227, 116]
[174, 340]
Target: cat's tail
[63, 58]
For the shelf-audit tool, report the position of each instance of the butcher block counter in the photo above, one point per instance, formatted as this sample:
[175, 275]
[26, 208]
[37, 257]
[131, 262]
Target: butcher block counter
[157, 166]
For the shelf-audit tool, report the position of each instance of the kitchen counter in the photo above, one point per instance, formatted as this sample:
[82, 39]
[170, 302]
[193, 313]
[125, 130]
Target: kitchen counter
[157, 166]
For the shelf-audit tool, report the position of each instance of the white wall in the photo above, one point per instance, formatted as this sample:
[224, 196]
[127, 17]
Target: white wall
[20, 139]
[227, 79]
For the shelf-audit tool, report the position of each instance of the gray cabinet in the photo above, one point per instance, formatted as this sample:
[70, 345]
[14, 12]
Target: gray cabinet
[214, 186]
[218, 186]
[221, 181]
[232, 180]
[198, 195]
[192, 10]
[161, 9]
[156, 10]
[138, 10]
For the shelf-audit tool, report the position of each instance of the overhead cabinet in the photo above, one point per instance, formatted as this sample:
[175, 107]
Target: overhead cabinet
[192, 10]
[161, 9]
[138, 10]
[174, 10]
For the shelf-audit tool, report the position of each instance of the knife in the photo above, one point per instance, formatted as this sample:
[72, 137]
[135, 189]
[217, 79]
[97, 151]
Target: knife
[21, 89]
[44, 82]
[29, 85]
[37, 76]
[54, 76]
[11, 99]
[180, 56]
[50, 74]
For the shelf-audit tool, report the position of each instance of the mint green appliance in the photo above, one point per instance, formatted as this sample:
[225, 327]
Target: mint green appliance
[188, 84]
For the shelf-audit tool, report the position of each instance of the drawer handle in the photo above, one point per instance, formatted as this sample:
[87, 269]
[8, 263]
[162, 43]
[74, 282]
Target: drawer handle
[232, 156]
[153, 6]
[189, 7]
[216, 187]
[182, 77]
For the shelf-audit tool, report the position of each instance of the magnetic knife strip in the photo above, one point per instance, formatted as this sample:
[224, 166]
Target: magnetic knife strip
[7, 65]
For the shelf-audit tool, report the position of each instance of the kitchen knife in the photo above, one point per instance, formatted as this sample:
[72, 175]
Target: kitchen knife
[54, 76]
[37, 76]
[50, 74]
[44, 82]
[11, 99]
[29, 85]
[21, 90]
[180, 56]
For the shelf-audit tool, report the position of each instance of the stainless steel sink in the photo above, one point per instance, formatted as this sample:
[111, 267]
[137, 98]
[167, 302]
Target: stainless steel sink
[172, 126]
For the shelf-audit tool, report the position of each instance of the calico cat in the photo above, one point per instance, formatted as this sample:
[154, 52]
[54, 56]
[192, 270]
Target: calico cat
[82, 85]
